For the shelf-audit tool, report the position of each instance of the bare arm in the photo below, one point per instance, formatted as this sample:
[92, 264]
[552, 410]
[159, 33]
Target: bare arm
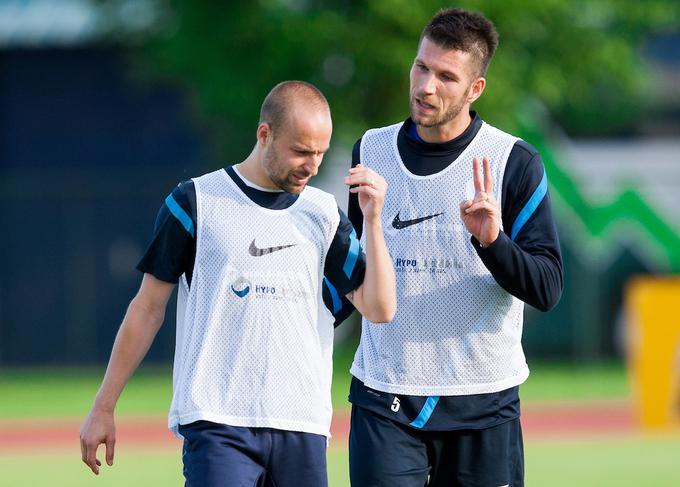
[142, 321]
[376, 297]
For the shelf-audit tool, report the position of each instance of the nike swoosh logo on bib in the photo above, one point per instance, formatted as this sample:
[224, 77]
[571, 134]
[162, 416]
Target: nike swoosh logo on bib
[399, 224]
[257, 252]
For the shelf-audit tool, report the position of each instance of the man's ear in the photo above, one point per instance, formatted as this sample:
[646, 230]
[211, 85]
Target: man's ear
[476, 89]
[264, 133]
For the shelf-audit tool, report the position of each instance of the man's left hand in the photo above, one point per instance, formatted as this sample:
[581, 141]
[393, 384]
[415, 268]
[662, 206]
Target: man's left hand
[481, 215]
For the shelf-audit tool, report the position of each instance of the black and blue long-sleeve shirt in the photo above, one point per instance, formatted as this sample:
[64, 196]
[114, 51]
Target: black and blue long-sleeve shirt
[172, 250]
[526, 262]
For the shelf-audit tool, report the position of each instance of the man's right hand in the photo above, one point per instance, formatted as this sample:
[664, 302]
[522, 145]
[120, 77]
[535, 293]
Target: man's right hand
[99, 427]
[141, 323]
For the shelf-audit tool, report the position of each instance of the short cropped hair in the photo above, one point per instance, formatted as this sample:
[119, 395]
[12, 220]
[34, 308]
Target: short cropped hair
[284, 96]
[455, 28]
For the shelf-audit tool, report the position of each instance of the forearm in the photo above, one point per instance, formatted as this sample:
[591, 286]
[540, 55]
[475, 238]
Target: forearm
[378, 301]
[533, 276]
[134, 338]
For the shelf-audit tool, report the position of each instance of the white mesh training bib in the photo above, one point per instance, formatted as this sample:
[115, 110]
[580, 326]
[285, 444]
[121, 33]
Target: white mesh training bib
[456, 331]
[254, 339]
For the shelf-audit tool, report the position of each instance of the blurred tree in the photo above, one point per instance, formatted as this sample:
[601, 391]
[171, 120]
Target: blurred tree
[579, 58]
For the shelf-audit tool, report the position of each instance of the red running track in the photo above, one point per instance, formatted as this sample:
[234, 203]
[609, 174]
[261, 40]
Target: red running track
[563, 421]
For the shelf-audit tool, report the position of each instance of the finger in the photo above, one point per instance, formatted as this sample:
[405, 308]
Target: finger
[480, 196]
[477, 176]
[367, 178]
[91, 458]
[83, 457]
[373, 196]
[110, 447]
[481, 206]
[464, 205]
[353, 181]
[376, 182]
[483, 196]
[356, 177]
[367, 190]
[359, 170]
[488, 182]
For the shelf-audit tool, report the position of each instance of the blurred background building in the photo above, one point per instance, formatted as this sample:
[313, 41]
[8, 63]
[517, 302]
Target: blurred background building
[86, 155]
[106, 105]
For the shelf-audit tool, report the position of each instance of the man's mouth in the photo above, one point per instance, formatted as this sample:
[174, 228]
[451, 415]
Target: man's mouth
[423, 105]
[300, 180]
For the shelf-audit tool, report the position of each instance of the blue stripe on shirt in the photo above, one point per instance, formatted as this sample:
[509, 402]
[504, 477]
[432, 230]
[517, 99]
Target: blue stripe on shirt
[337, 302]
[530, 207]
[425, 413]
[352, 254]
[180, 214]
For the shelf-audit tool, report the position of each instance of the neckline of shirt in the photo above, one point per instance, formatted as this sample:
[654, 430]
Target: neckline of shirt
[269, 200]
[415, 143]
[251, 184]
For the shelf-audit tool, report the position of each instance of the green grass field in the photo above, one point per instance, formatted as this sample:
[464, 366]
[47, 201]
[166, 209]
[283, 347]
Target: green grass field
[63, 392]
[630, 459]
[632, 462]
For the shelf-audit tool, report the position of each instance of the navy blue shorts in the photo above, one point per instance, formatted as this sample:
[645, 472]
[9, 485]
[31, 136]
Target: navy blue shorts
[384, 453]
[218, 455]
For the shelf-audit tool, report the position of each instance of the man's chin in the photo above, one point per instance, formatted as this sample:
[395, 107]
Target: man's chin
[294, 188]
[422, 121]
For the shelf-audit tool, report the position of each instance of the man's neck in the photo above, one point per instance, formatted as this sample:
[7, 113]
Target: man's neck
[252, 170]
[447, 132]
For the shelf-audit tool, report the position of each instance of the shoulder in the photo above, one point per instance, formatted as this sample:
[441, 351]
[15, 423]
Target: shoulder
[318, 193]
[184, 190]
[379, 135]
[496, 135]
[524, 151]
[321, 199]
[524, 163]
[184, 196]
[214, 177]
[376, 132]
[524, 174]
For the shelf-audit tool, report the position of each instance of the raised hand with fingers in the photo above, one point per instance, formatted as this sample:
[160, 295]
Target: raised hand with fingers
[371, 188]
[481, 215]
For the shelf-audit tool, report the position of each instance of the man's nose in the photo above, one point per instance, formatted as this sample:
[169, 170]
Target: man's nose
[313, 163]
[429, 85]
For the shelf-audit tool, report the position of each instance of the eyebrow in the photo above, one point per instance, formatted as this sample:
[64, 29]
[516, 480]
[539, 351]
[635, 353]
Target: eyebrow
[303, 148]
[450, 74]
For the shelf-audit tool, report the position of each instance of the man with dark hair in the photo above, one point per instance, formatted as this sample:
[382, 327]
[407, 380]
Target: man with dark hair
[469, 226]
[262, 261]
[464, 31]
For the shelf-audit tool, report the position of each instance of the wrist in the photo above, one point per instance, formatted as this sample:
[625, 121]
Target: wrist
[103, 406]
[373, 222]
[486, 243]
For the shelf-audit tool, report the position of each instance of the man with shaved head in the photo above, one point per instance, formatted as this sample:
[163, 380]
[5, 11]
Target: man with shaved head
[262, 261]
